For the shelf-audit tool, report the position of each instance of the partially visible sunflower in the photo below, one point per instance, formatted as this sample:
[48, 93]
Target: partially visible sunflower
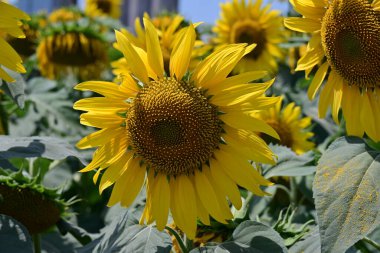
[95, 8]
[31, 28]
[38, 208]
[189, 135]
[10, 24]
[65, 14]
[168, 29]
[290, 126]
[72, 49]
[247, 22]
[345, 43]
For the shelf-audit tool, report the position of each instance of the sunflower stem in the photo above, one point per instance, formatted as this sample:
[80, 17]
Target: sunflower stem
[293, 192]
[37, 243]
[178, 238]
[373, 243]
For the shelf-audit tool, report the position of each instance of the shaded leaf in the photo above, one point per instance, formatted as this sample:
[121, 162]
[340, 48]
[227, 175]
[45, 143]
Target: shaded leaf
[258, 236]
[346, 192]
[14, 237]
[311, 244]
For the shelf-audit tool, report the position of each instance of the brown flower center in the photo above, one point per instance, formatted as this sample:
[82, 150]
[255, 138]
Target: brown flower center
[35, 211]
[173, 127]
[286, 137]
[252, 33]
[74, 49]
[350, 37]
[104, 6]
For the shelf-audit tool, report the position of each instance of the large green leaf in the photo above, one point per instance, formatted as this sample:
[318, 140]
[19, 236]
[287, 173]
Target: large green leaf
[347, 193]
[124, 235]
[50, 111]
[46, 147]
[14, 237]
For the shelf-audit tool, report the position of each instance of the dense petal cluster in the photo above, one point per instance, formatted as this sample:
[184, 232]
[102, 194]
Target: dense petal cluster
[10, 24]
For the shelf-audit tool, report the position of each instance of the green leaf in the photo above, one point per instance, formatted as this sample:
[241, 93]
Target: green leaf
[14, 237]
[289, 163]
[125, 235]
[259, 237]
[347, 193]
[249, 237]
[27, 147]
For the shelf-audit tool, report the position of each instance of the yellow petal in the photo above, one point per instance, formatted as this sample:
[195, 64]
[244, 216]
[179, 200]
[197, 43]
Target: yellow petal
[244, 121]
[114, 171]
[181, 54]
[317, 80]
[107, 89]
[227, 186]
[134, 179]
[153, 49]
[327, 95]
[160, 199]
[184, 209]
[207, 195]
[306, 25]
[100, 137]
[134, 61]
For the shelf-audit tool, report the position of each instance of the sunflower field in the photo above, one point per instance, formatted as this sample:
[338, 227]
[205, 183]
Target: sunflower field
[257, 133]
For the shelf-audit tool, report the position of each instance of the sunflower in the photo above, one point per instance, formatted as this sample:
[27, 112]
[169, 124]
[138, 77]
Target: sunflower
[190, 134]
[72, 50]
[247, 22]
[345, 43]
[289, 125]
[95, 8]
[38, 208]
[10, 24]
[168, 27]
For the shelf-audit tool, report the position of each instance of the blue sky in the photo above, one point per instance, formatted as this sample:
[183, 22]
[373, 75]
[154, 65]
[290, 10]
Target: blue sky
[208, 10]
[197, 10]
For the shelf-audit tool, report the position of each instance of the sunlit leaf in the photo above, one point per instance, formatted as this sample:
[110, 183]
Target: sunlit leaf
[347, 193]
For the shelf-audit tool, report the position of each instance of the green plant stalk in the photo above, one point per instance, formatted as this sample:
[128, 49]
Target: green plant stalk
[178, 238]
[37, 243]
[293, 192]
[373, 243]
[3, 118]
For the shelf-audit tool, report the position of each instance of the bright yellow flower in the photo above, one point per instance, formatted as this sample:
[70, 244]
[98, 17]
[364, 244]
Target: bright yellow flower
[10, 24]
[77, 52]
[346, 43]
[290, 126]
[190, 136]
[95, 8]
[168, 29]
[247, 22]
